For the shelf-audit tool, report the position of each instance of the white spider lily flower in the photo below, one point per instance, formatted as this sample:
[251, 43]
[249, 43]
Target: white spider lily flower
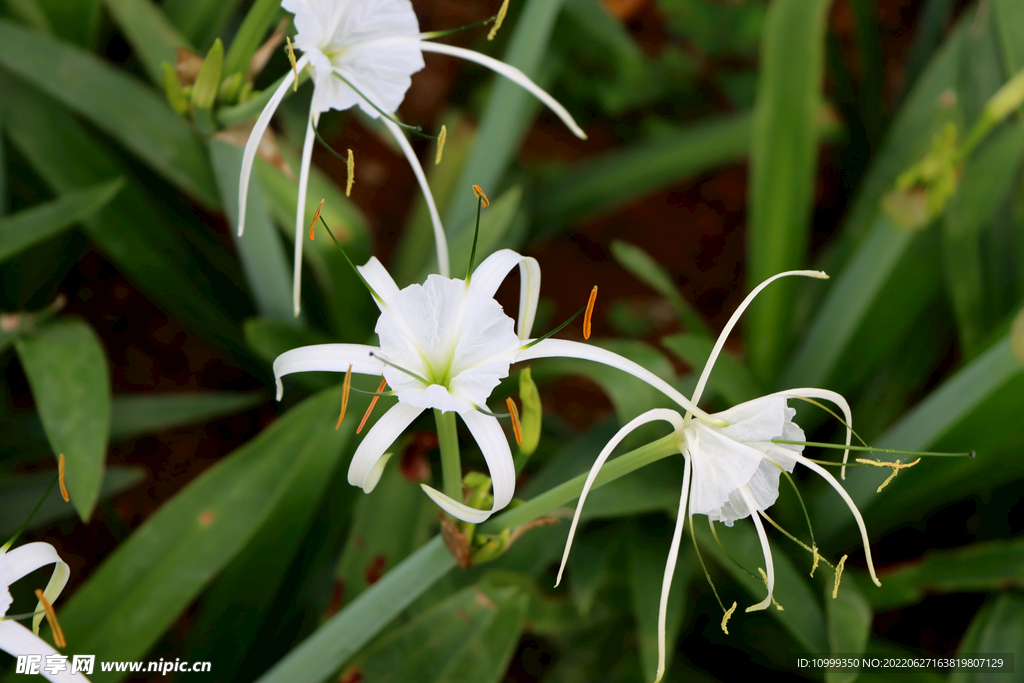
[363, 53]
[15, 639]
[447, 344]
[732, 467]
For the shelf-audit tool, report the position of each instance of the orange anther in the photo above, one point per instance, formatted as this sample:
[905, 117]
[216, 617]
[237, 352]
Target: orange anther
[51, 617]
[590, 312]
[383, 383]
[517, 427]
[316, 217]
[485, 202]
[346, 387]
[60, 479]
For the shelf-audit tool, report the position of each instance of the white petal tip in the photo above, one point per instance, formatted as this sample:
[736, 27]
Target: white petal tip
[822, 275]
[661, 674]
[241, 229]
[458, 510]
[877, 582]
[375, 473]
[280, 389]
[763, 605]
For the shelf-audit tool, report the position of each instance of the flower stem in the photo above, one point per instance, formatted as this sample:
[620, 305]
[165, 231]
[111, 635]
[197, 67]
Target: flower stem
[570, 490]
[451, 463]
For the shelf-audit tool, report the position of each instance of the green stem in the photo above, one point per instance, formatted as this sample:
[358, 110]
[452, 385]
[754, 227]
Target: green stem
[570, 490]
[451, 463]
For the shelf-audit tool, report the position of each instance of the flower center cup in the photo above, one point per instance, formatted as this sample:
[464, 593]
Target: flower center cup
[458, 340]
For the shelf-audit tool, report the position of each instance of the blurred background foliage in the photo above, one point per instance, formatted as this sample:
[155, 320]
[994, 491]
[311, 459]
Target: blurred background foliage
[729, 140]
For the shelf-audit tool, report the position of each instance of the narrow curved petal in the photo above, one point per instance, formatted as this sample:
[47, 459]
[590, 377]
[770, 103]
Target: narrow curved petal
[300, 211]
[249, 155]
[670, 416]
[389, 427]
[489, 275]
[17, 640]
[26, 559]
[494, 446]
[670, 570]
[377, 276]
[511, 73]
[827, 476]
[563, 348]
[826, 395]
[702, 382]
[765, 549]
[440, 241]
[326, 358]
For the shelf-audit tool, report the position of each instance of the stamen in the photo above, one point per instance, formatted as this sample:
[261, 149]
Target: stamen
[399, 367]
[497, 20]
[349, 261]
[555, 331]
[839, 575]
[51, 617]
[707, 576]
[346, 388]
[764, 577]
[517, 427]
[714, 532]
[484, 201]
[316, 217]
[60, 478]
[726, 616]
[366, 416]
[813, 551]
[590, 312]
[291, 58]
[896, 467]
[351, 166]
[415, 130]
[872, 449]
[440, 144]
[814, 565]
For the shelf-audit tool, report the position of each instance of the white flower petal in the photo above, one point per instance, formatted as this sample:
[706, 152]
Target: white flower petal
[440, 241]
[30, 557]
[765, 550]
[563, 348]
[670, 416]
[376, 472]
[702, 382]
[826, 395]
[17, 640]
[489, 275]
[849, 502]
[300, 211]
[720, 466]
[494, 446]
[511, 73]
[670, 570]
[249, 155]
[388, 428]
[326, 358]
[380, 281]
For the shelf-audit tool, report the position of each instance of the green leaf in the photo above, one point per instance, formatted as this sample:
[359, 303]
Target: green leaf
[114, 102]
[200, 20]
[319, 657]
[448, 642]
[506, 116]
[39, 223]
[616, 177]
[975, 568]
[237, 606]
[646, 572]
[988, 391]
[31, 13]
[849, 618]
[75, 21]
[730, 377]
[260, 249]
[68, 158]
[998, 628]
[204, 90]
[250, 34]
[19, 495]
[153, 38]
[67, 372]
[987, 180]
[644, 268]
[1009, 20]
[783, 164]
[386, 527]
[142, 588]
[268, 339]
[138, 414]
[802, 616]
